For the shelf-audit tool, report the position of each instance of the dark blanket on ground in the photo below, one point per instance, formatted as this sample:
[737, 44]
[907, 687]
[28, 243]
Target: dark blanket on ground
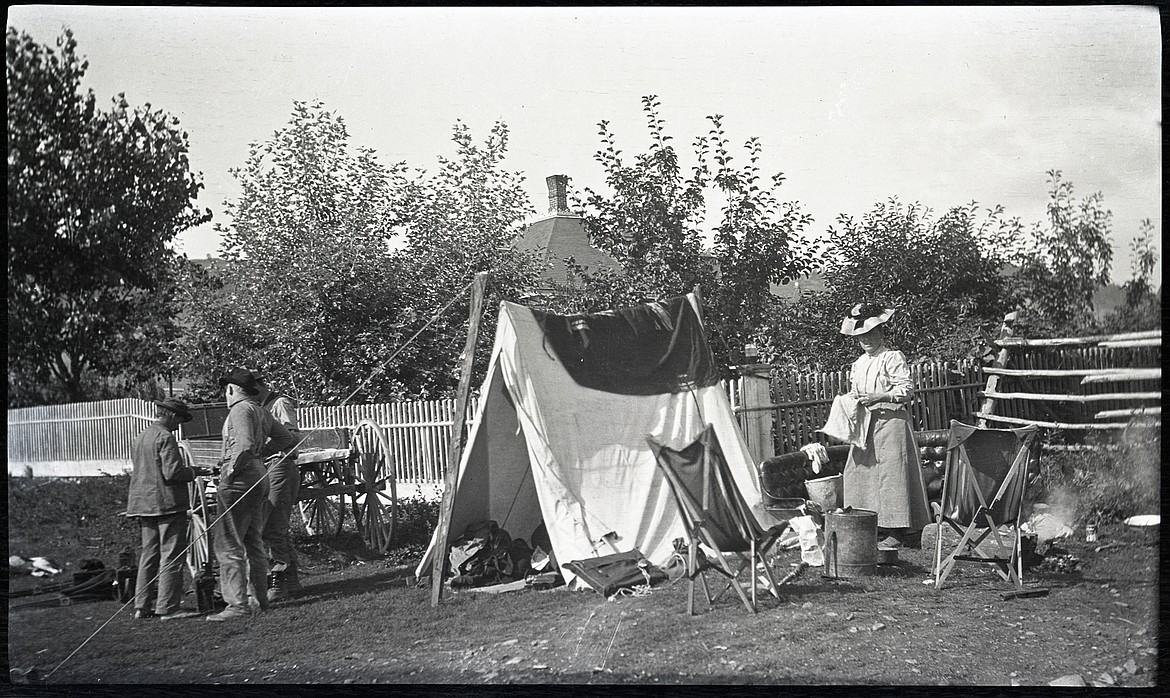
[648, 349]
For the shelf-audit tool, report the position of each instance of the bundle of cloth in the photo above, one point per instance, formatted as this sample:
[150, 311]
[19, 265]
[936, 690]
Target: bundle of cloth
[36, 566]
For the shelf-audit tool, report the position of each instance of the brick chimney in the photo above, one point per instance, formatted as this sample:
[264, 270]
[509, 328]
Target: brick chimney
[558, 194]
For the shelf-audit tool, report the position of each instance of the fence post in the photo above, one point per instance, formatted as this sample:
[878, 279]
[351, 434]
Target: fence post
[1001, 360]
[756, 391]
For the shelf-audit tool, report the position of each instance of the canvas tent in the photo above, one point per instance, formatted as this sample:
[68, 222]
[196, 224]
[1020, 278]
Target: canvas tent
[559, 432]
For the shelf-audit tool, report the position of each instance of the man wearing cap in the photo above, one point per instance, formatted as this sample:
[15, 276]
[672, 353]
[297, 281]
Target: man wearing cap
[250, 434]
[284, 482]
[160, 500]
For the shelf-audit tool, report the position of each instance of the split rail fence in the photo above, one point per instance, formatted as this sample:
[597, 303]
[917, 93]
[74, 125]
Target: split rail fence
[1073, 386]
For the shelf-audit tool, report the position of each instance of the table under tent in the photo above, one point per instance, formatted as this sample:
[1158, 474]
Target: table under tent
[559, 435]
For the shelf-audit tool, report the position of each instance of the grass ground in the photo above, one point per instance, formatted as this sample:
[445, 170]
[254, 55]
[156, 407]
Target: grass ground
[361, 621]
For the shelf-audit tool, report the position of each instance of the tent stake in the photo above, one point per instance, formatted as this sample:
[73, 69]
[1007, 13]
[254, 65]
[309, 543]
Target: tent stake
[458, 428]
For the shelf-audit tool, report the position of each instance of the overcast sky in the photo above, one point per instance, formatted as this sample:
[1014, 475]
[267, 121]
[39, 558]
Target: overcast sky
[854, 105]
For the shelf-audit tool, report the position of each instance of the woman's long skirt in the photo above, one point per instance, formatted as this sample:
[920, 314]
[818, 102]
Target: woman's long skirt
[886, 476]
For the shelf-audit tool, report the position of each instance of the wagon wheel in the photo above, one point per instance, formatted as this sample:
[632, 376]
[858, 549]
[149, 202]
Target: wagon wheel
[322, 514]
[198, 537]
[375, 494]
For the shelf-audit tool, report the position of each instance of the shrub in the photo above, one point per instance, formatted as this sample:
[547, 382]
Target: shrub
[417, 517]
[1103, 485]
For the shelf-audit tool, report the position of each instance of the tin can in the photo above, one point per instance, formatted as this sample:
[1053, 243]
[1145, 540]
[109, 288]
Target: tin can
[125, 579]
[205, 592]
[1091, 533]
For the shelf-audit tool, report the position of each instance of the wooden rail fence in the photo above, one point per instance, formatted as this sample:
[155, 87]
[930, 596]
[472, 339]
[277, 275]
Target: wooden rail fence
[94, 438]
[1074, 384]
[801, 400]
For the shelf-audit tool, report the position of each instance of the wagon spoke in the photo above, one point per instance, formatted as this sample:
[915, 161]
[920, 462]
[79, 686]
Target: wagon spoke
[376, 492]
[198, 549]
[322, 514]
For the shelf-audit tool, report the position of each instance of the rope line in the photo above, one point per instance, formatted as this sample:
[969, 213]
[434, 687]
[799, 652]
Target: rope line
[207, 529]
[609, 649]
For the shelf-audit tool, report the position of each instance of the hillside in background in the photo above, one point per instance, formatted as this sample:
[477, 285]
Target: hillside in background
[1105, 300]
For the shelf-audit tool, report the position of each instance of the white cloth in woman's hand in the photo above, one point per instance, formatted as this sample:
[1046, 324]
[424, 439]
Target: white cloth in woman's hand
[848, 421]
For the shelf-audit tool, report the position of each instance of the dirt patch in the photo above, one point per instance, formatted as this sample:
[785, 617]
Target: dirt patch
[362, 621]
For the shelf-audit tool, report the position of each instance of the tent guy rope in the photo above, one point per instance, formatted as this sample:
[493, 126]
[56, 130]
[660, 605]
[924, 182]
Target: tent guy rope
[379, 369]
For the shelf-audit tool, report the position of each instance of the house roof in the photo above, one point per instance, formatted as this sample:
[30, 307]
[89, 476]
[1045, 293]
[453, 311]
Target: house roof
[558, 237]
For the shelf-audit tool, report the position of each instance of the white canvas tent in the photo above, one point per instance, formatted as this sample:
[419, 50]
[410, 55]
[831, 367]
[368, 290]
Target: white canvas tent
[543, 448]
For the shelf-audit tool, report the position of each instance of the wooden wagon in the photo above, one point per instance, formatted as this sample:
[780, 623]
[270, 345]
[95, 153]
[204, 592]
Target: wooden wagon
[341, 469]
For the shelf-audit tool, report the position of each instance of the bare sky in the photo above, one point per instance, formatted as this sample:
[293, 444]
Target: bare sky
[937, 105]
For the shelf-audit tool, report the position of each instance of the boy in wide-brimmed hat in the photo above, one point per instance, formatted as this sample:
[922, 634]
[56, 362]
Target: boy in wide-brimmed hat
[159, 499]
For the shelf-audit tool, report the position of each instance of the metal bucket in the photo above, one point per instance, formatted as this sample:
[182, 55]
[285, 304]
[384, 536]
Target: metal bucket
[827, 492]
[850, 543]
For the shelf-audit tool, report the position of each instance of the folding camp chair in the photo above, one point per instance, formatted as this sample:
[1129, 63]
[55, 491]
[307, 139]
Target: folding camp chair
[983, 492]
[715, 515]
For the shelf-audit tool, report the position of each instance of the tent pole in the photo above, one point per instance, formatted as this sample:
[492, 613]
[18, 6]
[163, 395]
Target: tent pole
[458, 428]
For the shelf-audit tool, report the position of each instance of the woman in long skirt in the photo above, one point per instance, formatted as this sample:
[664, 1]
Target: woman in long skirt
[886, 475]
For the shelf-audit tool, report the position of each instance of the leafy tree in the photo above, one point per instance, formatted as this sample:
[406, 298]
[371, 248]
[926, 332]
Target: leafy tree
[942, 276]
[951, 279]
[304, 291]
[94, 198]
[463, 219]
[209, 332]
[1142, 309]
[1063, 263]
[334, 263]
[652, 223]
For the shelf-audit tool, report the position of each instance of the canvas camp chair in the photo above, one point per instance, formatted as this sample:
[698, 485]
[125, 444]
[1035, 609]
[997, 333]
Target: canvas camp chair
[715, 515]
[982, 497]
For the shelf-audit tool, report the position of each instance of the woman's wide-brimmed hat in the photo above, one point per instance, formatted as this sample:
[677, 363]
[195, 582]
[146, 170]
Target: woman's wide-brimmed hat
[177, 406]
[864, 317]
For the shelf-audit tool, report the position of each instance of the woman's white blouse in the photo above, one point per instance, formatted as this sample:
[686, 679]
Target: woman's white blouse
[884, 372]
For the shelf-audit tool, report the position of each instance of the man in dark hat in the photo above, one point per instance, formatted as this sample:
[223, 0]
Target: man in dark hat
[284, 482]
[250, 434]
[159, 499]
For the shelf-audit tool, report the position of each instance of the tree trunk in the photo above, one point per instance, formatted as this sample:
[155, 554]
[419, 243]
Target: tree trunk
[69, 372]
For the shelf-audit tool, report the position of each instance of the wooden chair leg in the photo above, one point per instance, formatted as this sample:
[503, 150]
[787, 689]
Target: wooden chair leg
[773, 587]
[938, 535]
[692, 572]
[752, 572]
[733, 580]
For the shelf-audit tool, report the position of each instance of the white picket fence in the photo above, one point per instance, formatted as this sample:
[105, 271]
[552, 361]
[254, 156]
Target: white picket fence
[418, 432]
[80, 439]
[93, 438]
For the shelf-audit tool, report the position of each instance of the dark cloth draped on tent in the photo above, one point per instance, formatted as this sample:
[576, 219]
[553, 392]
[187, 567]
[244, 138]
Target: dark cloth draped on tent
[648, 349]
